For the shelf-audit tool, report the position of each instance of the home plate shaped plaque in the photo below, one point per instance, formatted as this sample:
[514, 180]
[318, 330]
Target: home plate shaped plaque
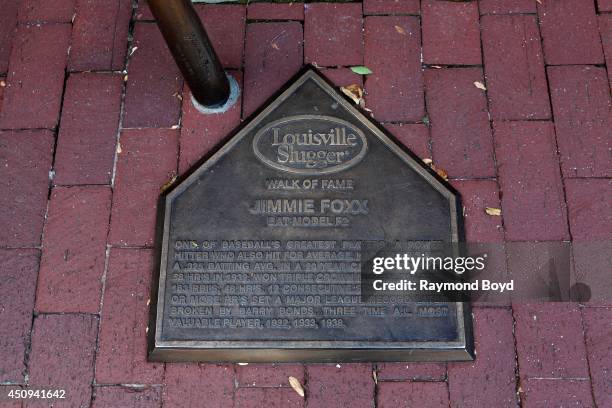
[262, 244]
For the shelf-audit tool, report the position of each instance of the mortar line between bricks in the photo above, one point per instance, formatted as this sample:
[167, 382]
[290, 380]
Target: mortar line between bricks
[449, 66]
[414, 379]
[28, 347]
[85, 185]
[586, 348]
[375, 371]
[118, 246]
[39, 247]
[557, 152]
[84, 314]
[425, 107]
[52, 129]
[117, 13]
[57, 127]
[559, 378]
[560, 170]
[135, 386]
[269, 20]
[306, 381]
[517, 383]
[383, 14]
[38, 23]
[96, 71]
[508, 13]
[517, 368]
[576, 65]
[601, 41]
[491, 129]
[107, 251]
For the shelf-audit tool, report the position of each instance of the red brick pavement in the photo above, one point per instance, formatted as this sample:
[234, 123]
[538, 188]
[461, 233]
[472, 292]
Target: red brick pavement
[83, 156]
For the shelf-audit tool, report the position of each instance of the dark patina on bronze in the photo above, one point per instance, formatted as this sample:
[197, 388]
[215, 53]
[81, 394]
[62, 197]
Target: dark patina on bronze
[260, 245]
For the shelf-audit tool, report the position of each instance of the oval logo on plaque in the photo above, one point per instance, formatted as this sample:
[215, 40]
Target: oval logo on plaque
[310, 144]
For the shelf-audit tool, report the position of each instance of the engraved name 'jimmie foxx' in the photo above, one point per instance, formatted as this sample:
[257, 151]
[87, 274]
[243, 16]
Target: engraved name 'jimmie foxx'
[309, 206]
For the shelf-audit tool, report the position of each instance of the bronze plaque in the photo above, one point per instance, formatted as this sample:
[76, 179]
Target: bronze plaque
[262, 244]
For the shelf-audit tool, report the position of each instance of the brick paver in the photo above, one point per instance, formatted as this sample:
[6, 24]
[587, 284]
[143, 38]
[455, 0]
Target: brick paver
[265, 375]
[227, 38]
[273, 54]
[412, 394]
[42, 11]
[268, 397]
[451, 34]
[18, 270]
[516, 79]
[588, 202]
[8, 21]
[25, 160]
[99, 35]
[88, 131]
[353, 384]
[490, 380]
[147, 161]
[460, 131]
[411, 371]
[373, 7]
[533, 204]
[569, 31]
[78, 76]
[598, 326]
[124, 323]
[333, 34]
[35, 80]
[583, 117]
[550, 341]
[395, 88]
[188, 385]
[274, 11]
[63, 348]
[605, 29]
[133, 397]
[557, 393]
[154, 82]
[74, 250]
[604, 5]
[414, 136]
[507, 6]
[477, 196]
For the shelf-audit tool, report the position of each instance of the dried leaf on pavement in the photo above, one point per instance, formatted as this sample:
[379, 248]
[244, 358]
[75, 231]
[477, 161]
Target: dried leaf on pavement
[400, 30]
[493, 211]
[441, 172]
[297, 387]
[353, 91]
[480, 85]
[167, 185]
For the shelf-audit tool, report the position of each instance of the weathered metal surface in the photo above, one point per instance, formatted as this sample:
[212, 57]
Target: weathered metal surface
[192, 51]
[261, 245]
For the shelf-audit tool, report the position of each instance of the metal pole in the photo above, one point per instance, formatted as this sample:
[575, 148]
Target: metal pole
[192, 51]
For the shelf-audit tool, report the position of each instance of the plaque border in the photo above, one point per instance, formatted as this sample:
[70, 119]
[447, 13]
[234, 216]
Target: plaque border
[271, 351]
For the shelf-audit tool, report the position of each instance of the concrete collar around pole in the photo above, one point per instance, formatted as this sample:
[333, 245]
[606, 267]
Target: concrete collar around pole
[231, 100]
